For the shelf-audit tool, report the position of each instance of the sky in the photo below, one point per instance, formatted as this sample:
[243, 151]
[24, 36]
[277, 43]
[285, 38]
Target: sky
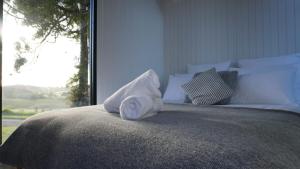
[55, 62]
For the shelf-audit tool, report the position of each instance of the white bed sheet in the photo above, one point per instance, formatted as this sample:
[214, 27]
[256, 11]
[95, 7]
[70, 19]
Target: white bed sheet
[292, 108]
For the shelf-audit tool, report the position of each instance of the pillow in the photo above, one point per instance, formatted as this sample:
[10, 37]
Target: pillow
[229, 77]
[174, 93]
[271, 61]
[190, 76]
[258, 69]
[192, 69]
[268, 87]
[207, 88]
[297, 84]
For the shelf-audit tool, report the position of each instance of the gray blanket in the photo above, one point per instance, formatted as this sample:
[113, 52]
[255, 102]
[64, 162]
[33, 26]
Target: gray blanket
[178, 137]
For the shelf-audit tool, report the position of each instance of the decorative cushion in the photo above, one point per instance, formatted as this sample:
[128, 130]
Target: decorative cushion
[230, 78]
[207, 88]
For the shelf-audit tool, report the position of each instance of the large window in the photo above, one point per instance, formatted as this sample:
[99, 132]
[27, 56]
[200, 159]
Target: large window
[47, 58]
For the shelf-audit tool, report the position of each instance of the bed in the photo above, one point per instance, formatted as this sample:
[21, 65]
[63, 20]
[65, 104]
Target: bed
[180, 136]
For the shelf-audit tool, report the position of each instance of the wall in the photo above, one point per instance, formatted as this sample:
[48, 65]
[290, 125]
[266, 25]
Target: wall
[210, 31]
[166, 35]
[129, 41]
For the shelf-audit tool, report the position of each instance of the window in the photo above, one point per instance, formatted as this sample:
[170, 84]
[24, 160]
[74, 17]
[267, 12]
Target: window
[47, 58]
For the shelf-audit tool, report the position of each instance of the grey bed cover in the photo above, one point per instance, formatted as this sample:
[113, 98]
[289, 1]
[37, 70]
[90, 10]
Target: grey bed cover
[184, 137]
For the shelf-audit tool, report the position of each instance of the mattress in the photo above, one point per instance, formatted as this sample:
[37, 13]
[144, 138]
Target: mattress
[180, 136]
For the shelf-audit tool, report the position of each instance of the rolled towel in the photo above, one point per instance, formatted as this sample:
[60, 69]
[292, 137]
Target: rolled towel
[146, 84]
[139, 106]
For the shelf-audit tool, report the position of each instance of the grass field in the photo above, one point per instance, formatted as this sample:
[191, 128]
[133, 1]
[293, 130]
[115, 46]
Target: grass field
[22, 108]
[34, 104]
[6, 132]
[16, 115]
[21, 114]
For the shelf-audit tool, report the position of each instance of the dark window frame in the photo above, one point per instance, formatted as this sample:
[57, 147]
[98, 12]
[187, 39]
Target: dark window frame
[93, 55]
[1, 23]
[93, 52]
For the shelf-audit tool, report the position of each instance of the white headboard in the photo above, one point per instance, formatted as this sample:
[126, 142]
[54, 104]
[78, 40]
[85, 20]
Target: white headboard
[211, 31]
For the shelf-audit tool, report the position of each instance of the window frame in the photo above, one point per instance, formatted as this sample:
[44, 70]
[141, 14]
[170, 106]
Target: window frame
[1, 23]
[93, 52]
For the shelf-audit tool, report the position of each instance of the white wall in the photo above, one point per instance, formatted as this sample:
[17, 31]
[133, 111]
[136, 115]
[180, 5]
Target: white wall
[134, 35]
[210, 31]
[130, 41]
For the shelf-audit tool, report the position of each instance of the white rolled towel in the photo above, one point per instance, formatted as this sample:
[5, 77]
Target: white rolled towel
[146, 84]
[137, 107]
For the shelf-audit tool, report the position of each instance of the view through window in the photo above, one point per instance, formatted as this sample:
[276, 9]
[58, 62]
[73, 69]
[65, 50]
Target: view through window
[45, 58]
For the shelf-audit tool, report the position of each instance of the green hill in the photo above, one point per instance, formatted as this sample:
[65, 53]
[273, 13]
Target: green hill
[34, 99]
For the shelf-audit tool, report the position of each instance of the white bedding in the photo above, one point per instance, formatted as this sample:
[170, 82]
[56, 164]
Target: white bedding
[292, 108]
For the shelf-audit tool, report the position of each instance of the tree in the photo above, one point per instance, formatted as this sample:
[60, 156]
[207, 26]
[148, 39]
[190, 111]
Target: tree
[54, 18]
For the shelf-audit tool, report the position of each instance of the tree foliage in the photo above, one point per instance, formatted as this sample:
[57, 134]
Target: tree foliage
[54, 18]
[21, 47]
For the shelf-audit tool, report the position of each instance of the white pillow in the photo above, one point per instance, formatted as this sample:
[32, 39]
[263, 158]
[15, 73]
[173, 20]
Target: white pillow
[192, 69]
[269, 87]
[185, 75]
[271, 61]
[174, 92]
[259, 69]
[297, 84]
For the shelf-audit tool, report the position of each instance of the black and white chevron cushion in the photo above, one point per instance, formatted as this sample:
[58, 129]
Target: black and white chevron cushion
[207, 88]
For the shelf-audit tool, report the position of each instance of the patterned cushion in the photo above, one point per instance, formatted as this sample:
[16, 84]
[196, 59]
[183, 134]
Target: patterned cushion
[230, 78]
[207, 88]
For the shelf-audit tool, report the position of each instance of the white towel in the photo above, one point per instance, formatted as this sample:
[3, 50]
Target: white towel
[139, 107]
[146, 84]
